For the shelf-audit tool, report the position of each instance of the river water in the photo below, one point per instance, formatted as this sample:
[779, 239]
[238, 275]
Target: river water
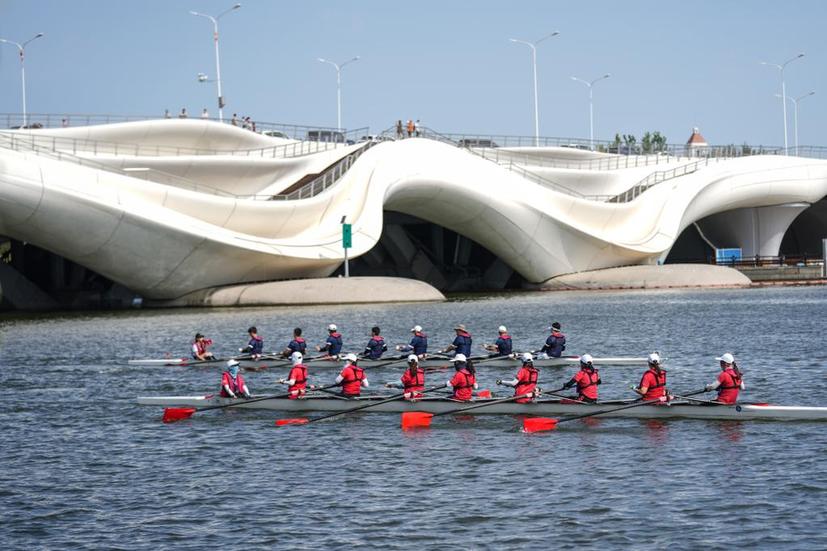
[83, 467]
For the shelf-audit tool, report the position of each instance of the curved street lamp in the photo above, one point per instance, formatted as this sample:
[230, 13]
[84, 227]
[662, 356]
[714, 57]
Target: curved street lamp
[795, 116]
[784, 90]
[22, 50]
[590, 84]
[533, 46]
[217, 62]
[338, 67]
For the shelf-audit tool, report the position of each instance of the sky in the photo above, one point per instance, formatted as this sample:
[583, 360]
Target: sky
[675, 65]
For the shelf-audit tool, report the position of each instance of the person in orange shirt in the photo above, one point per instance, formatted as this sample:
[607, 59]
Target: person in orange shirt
[526, 380]
[586, 380]
[653, 383]
[730, 381]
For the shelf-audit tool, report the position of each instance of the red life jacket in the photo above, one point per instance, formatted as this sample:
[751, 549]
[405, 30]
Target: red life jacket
[202, 345]
[236, 385]
[587, 384]
[730, 386]
[299, 375]
[656, 382]
[463, 383]
[352, 377]
[414, 382]
[526, 382]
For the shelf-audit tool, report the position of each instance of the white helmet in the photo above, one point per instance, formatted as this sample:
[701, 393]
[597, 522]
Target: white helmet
[416, 329]
[586, 359]
[413, 358]
[351, 358]
[502, 329]
[653, 358]
[460, 358]
[231, 363]
[331, 327]
[296, 357]
[527, 357]
[726, 358]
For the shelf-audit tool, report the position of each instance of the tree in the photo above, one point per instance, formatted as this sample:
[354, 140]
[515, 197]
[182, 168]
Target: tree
[646, 142]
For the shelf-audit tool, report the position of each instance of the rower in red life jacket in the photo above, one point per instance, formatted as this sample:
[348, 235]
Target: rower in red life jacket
[502, 347]
[376, 345]
[255, 346]
[413, 380]
[729, 381]
[526, 380]
[586, 380]
[653, 383]
[333, 343]
[464, 381]
[297, 379]
[352, 378]
[199, 348]
[232, 383]
[298, 344]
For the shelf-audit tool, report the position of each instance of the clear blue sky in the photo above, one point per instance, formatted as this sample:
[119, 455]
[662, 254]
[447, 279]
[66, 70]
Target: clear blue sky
[674, 64]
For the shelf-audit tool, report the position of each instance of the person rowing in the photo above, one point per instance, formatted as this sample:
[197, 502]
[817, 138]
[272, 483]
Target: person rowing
[555, 343]
[730, 381]
[297, 379]
[418, 344]
[333, 343]
[526, 380]
[199, 348]
[232, 383]
[298, 344]
[653, 383]
[376, 345]
[502, 346]
[464, 381]
[255, 346]
[462, 342]
[586, 380]
[412, 381]
[352, 378]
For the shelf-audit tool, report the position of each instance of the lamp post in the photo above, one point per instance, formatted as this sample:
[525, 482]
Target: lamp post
[590, 84]
[784, 90]
[795, 113]
[338, 68]
[533, 46]
[217, 62]
[21, 48]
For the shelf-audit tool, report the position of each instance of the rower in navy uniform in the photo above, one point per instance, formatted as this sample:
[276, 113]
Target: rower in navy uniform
[298, 344]
[376, 345]
[555, 343]
[462, 342]
[418, 344]
[255, 346]
[333, 343]
[502, 346]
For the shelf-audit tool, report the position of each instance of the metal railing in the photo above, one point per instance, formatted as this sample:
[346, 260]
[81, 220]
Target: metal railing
[325, 180]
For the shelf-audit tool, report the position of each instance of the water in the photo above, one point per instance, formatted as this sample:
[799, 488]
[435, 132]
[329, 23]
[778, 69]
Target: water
[83, 467]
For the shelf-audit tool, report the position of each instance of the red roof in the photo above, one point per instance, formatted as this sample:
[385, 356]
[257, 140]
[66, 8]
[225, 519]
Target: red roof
[696, 139]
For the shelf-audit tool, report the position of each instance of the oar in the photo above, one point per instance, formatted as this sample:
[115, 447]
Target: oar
[172, 415]
[417, 419]
[389, 362]
[536, 424]
[305, 421]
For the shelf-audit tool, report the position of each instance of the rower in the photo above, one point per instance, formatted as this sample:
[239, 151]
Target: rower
[526, 380]
[729, 382]
[418, 344]
[255, 346]
[376, 345]
[199, 348]
[298, 344]
[464, 381]
[462, 342]
[352, 378]
[232, 383]
[297, 379]
[653, 383]
[333, 343]
[556, 342]
[502, 346]
[413, 380]
[586, 380]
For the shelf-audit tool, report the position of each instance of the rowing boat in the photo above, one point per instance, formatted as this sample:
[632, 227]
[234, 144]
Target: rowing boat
[676, 409]
[245, 363]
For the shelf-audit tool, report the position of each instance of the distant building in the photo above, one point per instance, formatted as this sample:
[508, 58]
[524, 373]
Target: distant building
[696, 145]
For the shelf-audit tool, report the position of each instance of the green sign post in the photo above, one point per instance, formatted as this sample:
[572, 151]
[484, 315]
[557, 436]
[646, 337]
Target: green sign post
[347, 243]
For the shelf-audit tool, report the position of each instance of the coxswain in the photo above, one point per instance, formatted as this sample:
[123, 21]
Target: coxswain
[255, 346]
[232, 383]
[333, 343]
[653, 383]
[464, 381]
[418, 344]
[526, 380]
[298, 344]
[730, 381]
[297, 379]
[199, 348]
[413, 380]
[502, 346]
[376, 345]
[586, 380]
[352, 378]
[462, 342]
[556, 342]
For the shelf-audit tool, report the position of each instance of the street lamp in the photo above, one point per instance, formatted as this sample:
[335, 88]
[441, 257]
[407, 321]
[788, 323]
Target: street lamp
[795, 111]
[784, 91]
[589, 84]
[21, 48]
[339, 87]
[533, 46]
[217, 62]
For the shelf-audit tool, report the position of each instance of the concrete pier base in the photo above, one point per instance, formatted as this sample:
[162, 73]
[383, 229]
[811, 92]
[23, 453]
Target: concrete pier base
[650, 277]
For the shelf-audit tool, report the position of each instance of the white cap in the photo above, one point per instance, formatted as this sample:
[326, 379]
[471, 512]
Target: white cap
[416, 329]
[413, 358]
[296, 357]
[587, 359]
[231, 363]
[726, 358]
[331, 327]
[502, 329]
[460, 358]
[653, 358]
[351, 357]
[527, 357]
